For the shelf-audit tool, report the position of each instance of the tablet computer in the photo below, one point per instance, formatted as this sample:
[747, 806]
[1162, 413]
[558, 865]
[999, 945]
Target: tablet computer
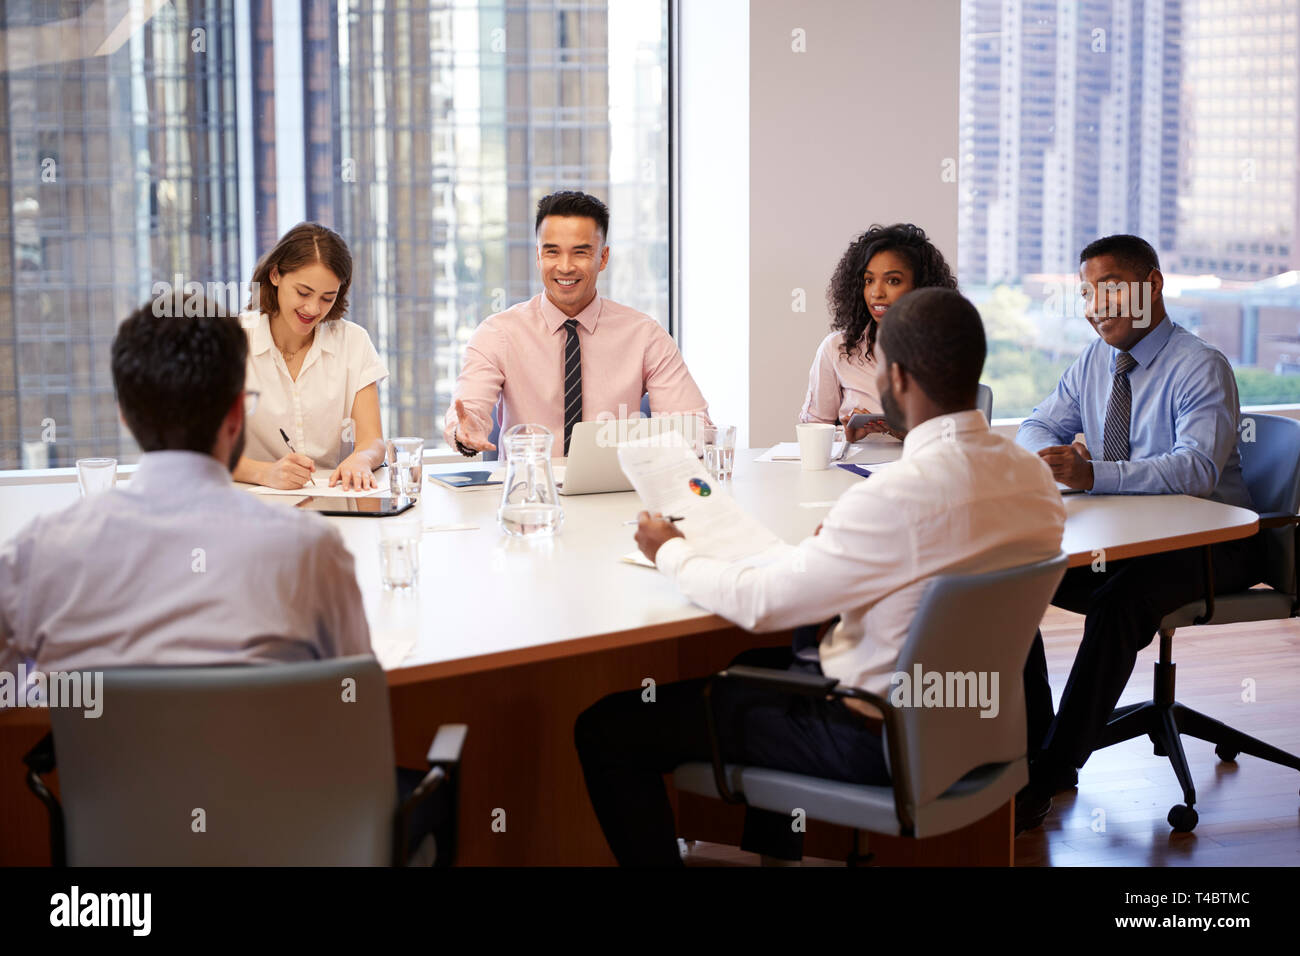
[378, 507]
[863, 420]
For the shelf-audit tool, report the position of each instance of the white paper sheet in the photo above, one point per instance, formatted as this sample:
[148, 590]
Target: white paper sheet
[789, 451]
[672, 481]
[323, 490]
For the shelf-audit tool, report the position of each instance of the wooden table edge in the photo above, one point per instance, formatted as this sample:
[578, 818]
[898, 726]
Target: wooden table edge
[571, 647]
[1176, 542]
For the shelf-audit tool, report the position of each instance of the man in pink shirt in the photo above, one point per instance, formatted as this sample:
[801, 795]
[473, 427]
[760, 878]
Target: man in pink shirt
[566, 355]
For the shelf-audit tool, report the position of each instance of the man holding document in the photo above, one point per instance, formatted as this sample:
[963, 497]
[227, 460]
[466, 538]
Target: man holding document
[960, 499]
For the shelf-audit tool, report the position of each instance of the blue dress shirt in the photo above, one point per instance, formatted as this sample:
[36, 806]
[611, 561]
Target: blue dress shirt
[1183, 438]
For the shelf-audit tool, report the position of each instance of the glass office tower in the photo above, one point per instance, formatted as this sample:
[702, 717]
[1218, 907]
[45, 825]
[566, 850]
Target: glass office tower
[117, 169]
[184, 137]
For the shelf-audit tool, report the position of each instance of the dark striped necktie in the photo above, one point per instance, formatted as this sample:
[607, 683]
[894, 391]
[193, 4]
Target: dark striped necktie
[1119, 411]
[572, 381]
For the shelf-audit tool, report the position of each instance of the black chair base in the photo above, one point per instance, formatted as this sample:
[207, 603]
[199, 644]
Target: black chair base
[1164, 720]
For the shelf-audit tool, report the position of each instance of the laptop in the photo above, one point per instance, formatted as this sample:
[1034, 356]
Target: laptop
[592, 466]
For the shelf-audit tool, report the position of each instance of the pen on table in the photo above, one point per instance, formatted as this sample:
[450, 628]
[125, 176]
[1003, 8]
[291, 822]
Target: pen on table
[662, 518]
[295, 451]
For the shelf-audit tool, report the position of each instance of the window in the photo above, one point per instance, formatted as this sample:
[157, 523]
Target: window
[423, 132]
[1203, 170]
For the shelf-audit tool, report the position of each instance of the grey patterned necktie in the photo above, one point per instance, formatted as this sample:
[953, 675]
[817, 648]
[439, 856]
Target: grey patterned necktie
[1119, 411]
[572, 381]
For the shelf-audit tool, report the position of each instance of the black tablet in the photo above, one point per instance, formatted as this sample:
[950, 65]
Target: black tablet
[378, 507]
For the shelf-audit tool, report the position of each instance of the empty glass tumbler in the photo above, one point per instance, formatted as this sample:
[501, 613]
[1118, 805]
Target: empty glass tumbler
[529, 503]
[405, 460]
[95, 475]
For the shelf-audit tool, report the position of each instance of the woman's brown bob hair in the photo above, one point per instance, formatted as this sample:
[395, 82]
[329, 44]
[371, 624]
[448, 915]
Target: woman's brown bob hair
[304, 244]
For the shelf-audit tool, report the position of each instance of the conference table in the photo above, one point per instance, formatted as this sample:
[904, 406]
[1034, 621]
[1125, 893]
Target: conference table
[516, 636]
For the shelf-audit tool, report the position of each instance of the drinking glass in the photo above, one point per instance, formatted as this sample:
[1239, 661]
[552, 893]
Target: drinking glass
[399, 552]
[405, 460]
[720, 450]
[96, 475]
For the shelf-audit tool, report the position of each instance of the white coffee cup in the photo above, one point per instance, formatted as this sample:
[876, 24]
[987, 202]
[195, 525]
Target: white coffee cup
[815, 442]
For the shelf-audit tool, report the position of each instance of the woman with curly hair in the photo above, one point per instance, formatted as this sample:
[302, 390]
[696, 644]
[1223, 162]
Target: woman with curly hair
[878, 267]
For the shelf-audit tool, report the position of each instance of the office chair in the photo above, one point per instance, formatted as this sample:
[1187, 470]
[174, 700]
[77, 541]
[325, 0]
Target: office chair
[984, 402]
[1271, 467]
[494, 454]
[275, 765]
[949, 766]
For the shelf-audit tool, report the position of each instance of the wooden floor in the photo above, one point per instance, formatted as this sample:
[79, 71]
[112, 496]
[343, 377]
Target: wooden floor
[1249, 811]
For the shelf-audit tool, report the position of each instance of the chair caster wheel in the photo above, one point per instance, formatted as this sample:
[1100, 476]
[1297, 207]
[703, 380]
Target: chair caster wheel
[1157, 747]
[1226, 753]
[1183, 818]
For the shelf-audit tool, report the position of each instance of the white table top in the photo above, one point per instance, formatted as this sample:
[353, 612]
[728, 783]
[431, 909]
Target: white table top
[486, 600]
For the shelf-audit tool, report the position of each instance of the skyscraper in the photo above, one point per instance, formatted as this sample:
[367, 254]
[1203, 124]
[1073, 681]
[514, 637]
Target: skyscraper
[1238, 202]
[117, 171]
[1069, 118]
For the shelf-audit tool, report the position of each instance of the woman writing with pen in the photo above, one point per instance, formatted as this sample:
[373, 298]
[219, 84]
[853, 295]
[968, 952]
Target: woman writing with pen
[316, 374]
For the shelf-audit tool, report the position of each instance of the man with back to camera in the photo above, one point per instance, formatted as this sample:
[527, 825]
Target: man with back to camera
[567, 355]
[180, 567]
[960, 499]
[1161, 405]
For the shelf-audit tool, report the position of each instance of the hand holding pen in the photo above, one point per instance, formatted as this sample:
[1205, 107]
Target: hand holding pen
[653, 531]
[299, 461]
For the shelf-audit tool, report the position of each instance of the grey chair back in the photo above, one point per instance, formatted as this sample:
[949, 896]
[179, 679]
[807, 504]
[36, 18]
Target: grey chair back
[1270, 464]
[984, 402]
[282, 764]
[968, 628]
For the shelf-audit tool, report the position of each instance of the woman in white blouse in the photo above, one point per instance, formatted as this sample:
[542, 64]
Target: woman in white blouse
[316, 374]
[877, 268]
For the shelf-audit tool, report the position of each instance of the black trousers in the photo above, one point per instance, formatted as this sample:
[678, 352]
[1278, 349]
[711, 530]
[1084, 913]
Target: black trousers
[1124, 605]
[626, 745]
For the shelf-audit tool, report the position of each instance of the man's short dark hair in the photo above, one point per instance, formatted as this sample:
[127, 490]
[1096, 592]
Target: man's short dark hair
[937, 335]
[177, 375]
[570, 202]
[1132, 252]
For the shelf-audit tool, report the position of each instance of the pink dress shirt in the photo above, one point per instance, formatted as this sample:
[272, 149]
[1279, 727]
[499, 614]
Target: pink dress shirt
[517, 357]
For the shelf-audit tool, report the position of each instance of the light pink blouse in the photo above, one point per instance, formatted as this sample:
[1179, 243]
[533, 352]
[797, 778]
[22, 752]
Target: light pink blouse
[838, 384]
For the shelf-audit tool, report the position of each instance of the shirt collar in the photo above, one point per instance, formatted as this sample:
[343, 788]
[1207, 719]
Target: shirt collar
[260, 341]
[1146, 350]
[555, 319]
[944, 428]
[166, 473]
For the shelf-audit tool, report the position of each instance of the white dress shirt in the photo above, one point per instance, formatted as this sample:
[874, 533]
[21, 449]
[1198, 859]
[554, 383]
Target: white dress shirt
[960, 499]
[316, 410]
[178, 568]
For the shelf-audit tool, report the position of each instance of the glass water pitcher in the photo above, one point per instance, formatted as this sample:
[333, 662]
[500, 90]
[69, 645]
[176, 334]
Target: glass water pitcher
[529, 505]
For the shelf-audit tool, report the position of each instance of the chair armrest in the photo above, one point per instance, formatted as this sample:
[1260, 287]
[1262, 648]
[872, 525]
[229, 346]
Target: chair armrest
[40, 760]
[444, 759]
[812, 685]
[894, 746]
[809, 685]
[1277, 519]
[447, 745]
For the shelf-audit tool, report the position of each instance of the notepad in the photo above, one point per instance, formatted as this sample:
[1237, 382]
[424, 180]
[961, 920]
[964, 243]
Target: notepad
[464, 480]
[789, 451]
[322, 489]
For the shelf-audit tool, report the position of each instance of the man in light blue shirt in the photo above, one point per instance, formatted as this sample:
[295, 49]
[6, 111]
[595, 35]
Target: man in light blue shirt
[1158, 410]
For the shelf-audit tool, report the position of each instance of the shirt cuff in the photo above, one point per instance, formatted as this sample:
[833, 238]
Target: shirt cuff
[671, 555]
[1105, 478]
